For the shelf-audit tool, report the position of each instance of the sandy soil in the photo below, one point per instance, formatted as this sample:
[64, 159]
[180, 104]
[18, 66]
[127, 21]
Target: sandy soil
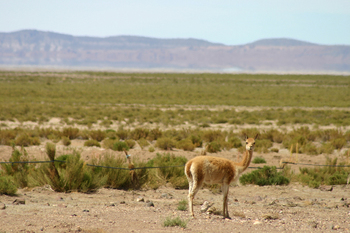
[292, 208]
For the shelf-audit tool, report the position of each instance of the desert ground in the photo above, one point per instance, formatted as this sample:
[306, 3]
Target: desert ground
[292, 208]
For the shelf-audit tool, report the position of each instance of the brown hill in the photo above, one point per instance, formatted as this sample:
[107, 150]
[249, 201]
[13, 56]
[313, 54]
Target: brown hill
[31, 47]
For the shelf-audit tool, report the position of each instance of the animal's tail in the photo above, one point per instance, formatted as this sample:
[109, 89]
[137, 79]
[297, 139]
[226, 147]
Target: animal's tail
[188, 170]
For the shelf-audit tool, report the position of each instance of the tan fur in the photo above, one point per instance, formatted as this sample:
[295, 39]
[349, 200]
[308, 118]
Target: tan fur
[214, 170]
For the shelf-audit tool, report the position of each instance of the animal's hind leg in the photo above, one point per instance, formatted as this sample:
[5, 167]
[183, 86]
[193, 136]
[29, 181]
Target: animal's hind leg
[194, 188]
[190, 197]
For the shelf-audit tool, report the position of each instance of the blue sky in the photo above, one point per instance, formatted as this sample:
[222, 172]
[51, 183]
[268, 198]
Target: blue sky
[230, 22]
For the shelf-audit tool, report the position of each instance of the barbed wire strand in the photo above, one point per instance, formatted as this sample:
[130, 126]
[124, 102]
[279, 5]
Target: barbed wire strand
[122, 168]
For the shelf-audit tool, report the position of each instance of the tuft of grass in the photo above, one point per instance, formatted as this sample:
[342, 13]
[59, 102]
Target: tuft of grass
[7, 186]
[98, 135]
[120, 146]
[165, 143]
[258, 160]
[182, 205]
[143, 142]
[174, 222]
[262, 146]
[185, 144]
[130, 142]
[108, 143]
[66, 141]
[154, 134]
[276, 150]
[91, 143]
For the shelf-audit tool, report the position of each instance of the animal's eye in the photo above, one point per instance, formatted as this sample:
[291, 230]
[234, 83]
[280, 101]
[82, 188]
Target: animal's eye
[246, 142]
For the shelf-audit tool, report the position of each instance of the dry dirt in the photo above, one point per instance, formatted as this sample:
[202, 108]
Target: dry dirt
[292, 208]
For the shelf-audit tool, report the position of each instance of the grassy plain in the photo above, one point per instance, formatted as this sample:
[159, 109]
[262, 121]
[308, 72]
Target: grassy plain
[98, 107]
[173, 98]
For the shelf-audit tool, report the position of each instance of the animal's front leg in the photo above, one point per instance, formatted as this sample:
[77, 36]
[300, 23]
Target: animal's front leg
[225, 188]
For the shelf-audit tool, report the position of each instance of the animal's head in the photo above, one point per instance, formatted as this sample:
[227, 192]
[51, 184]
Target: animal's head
[250, 143]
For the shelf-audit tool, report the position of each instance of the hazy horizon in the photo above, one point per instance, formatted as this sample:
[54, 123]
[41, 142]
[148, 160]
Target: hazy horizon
[222, 21]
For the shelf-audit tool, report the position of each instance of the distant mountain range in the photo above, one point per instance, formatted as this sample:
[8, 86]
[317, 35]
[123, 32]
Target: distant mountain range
[32, 47]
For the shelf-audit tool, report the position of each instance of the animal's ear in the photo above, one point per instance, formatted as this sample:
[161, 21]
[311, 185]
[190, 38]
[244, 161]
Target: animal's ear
[256, 136]
[245, 137]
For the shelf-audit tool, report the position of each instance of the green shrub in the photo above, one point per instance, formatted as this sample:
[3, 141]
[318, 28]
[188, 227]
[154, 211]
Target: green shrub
[97, 135]
[249, 132]
[115, 178]
[139, 133]
[326, 148]
[143, 142]
[212, 135]
[84, 134]
[111, 134]
[235, 142]
[91, 143]
[19, 171]
[273, 135]
[173, 222]
[130, 142]
[23, 139]
[257, 160]
[75, 176]
[276, 150]
[151, 149]
[165, 143]
[262, 146]
[108, 143]
[196, 140]
[66, 141]
[154, 134]
[185, 144]
[7, 136]
[204, 125]
[7, 185]
[106, 123]
[119, 178]
[309, 149]
[338, 143]
[171, 170]
[213, 147]
[265, 176]
[331, 175]
[71, 133]
[120, 146]
[122, 133]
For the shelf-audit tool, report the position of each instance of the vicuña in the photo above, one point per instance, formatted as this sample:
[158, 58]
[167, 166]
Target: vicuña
[214, 170]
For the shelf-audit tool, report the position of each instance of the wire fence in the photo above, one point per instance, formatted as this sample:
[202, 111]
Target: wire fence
[123, 168]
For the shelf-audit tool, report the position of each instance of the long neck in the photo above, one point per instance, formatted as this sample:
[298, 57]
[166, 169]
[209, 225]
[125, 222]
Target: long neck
[246, 160]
